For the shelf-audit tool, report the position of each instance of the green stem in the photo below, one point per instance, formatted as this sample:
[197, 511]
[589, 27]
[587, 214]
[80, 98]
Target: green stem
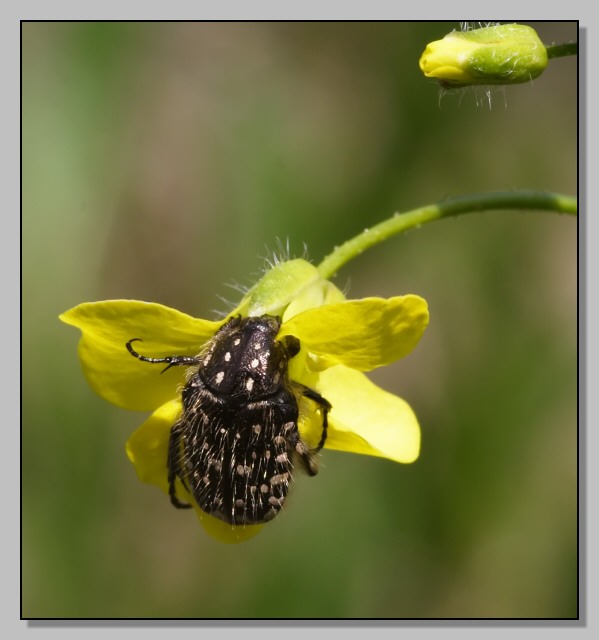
[400, 222]
[560, 50]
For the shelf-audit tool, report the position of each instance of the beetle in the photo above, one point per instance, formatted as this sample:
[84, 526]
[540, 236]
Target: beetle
[237, 440]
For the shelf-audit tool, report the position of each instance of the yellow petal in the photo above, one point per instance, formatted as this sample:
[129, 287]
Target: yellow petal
[317, 294]
[112, 372]
[225, 532]
[366, 419]
[444, 59]
[147, 448]
[361, 334]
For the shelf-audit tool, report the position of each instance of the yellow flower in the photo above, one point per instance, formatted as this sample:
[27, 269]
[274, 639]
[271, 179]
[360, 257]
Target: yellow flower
[339, 340]
[500, 54]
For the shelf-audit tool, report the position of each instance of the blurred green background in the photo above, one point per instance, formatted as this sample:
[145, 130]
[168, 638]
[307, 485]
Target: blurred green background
[163, 162]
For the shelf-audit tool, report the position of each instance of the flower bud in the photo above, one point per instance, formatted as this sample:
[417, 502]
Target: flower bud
[500, 54]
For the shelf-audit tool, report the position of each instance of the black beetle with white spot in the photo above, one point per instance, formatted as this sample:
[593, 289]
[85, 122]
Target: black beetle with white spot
[235, 444]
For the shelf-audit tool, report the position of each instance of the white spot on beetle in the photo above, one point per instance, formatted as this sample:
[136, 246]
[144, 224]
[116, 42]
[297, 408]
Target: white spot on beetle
[281, 478]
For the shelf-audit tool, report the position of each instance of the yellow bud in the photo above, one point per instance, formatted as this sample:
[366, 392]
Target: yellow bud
[501, 54]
